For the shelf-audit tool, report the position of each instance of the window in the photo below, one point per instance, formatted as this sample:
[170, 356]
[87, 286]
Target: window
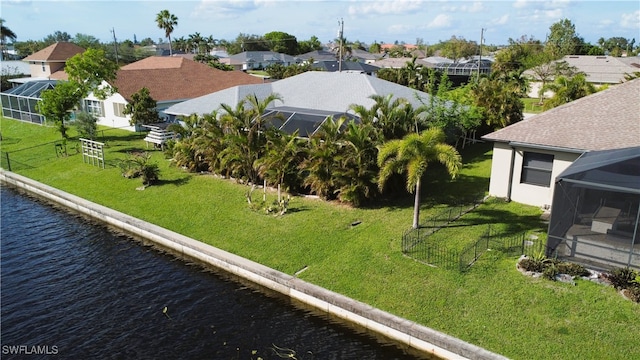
[118, 110]
[43, 67]
[94, 107]
[536, 169]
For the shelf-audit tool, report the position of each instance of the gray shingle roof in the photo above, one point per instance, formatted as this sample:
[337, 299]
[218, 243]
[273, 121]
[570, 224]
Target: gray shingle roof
[319, 90]
[601, 69]
[609, 119]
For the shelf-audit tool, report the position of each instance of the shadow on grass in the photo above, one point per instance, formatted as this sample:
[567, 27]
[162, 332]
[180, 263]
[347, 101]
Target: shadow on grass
[116, 138]
[9, 141]
[176, 182]
[130, 150]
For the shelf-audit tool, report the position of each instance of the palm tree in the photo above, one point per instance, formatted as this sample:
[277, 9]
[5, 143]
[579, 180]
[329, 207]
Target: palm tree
[412, 154]
[5, 33]
[196, 41]
[282, 157]
[323, 158]
[393, 118]
[566, 89]
[167, 21]
[356, 175]
[245, 143]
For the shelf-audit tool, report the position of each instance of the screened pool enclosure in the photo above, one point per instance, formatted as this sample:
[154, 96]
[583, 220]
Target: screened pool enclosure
[595, 210]
[306, 121]
[21, 101]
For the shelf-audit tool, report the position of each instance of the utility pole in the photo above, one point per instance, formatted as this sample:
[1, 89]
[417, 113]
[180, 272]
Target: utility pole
[341, 23]
[115, 43]
[480, 57]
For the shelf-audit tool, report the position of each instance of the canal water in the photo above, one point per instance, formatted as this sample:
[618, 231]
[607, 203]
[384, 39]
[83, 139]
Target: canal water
[72, 288]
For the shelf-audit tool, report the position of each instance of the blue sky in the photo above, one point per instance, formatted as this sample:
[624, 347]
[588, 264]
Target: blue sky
[367, 21]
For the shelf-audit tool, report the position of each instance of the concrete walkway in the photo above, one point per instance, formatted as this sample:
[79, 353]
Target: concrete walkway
[396, 329]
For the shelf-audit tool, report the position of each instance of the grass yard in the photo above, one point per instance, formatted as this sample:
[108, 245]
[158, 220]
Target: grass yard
[532, 105]
[492, 305]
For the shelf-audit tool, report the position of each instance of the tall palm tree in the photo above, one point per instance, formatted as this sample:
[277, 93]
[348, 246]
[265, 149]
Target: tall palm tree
[167, 21]
[412, 155]
[196, 41]
[5, 33]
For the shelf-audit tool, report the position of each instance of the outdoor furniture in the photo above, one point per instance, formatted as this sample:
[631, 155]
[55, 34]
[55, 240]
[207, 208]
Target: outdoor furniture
[605, 219]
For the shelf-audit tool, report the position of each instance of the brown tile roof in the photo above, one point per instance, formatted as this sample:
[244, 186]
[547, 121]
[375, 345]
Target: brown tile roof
[59, 75]
[176, 78]
[609, 119]
[60, 51]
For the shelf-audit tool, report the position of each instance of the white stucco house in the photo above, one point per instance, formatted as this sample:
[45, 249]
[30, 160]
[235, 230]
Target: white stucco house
[529, 155]
[170, 80]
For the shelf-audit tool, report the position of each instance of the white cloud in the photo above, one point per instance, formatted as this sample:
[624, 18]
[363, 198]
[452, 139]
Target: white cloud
[440, 21]
[226, 8]
[631, 21]
[475, 7]
[519, 4]
[399, 29]
[386, 7]
[501, 20]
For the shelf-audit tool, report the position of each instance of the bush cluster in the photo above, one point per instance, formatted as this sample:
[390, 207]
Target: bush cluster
[621, 278]
[625, 278]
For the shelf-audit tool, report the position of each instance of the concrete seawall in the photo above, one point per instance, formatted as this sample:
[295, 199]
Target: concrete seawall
[397, 329]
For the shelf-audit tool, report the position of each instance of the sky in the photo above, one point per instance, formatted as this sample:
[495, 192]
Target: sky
[367, 21]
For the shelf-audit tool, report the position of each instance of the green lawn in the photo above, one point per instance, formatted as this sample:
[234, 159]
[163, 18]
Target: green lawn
[492, 305]
[532, 105]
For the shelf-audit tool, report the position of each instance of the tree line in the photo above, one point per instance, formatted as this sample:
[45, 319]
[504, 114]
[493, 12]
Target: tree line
[387, 151]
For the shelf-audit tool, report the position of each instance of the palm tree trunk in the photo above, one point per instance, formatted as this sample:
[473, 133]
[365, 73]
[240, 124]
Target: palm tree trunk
[416, 207]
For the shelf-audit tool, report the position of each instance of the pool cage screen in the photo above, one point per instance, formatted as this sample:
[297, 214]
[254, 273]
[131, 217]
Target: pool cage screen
[21, 101]
[595, 210]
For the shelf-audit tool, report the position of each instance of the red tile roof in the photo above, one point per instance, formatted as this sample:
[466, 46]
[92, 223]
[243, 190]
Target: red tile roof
[176, 78]
[60, 51]
[609, 119]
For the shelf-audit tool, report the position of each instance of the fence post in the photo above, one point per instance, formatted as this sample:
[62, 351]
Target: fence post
[8, 161]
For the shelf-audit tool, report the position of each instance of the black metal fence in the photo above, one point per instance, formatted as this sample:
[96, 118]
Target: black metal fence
[416, 244]
[27, 158]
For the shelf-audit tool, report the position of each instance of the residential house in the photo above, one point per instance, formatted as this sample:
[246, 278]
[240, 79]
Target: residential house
[599, 70]
[307, 99]
[346, 66]
[530, 154]
[355, 55]
[49, 63]
[45, 67]
[170, 80]
[258, 60]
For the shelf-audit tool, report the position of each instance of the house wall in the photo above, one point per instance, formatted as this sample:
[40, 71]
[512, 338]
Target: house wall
[37, 69]
[535, 195]
[109, 117]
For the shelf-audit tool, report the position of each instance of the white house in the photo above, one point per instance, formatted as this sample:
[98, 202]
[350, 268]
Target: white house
[170, 80]
[529, 155]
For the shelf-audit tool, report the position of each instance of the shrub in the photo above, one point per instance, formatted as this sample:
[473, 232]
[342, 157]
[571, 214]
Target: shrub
[623, 278]
[137, 165]
[572, 269]
[550, 272]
